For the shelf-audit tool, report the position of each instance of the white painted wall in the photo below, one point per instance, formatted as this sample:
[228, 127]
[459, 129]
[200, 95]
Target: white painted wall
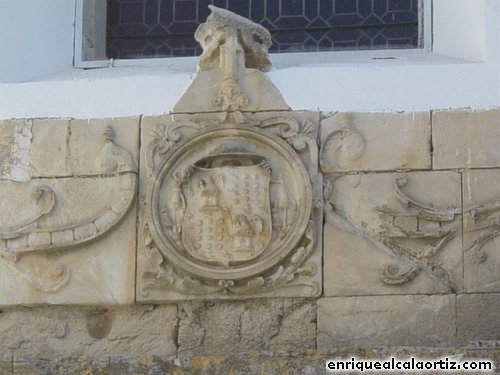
[462, 72]
[36, 38]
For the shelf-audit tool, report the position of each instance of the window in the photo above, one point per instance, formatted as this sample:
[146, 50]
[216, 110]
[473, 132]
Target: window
[165, 28]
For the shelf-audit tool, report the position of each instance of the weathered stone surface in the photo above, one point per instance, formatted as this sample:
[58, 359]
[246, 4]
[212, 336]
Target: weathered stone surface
[15, 140]
[5, 363]
[50, 150]
[231, 203]
[300, 362]
[304, 362]
[55, 366]
[482, 230]
[86, 142]
[63, 147]
[385, 234]
[478, 319]
[230, 78]
[51, 332]
[261, 93]
[488, 354]
[375, 142]
[48, 225]
[51, 259]
[466, 139]
[197, 160]
[6, 137]
[207, 328]
[386, 321]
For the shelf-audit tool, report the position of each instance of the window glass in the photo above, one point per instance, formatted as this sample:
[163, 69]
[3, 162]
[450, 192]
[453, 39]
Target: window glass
[165, 28]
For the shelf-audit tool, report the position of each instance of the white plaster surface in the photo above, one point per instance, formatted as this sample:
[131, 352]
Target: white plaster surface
[367, 81]
[36, 38]
[370, 86]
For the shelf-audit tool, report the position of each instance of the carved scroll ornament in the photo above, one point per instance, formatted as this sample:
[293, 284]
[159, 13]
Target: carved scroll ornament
[31, 238]
[483, 220]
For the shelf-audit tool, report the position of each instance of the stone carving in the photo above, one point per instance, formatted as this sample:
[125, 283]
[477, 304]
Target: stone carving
[31, 236]
[228, 217]
[253, 40]
[435, 239]
[375, 142]
[340, 147]
[346, 145]
[422, 227]
[232, 43]
[232, 200]
[235, 53]
[230, 208]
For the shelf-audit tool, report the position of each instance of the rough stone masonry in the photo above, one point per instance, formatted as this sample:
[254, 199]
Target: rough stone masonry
[234, 235]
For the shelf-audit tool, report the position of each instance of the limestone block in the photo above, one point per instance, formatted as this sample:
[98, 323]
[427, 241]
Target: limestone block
[54, 240]
[393, 233]
[482, 230]
[49, 150]
[466, 139]
[58, 332]
[386, 321]
[478, 320]
[203, 181]
[68, 240]
[6, 138]
[86, 142]
[15, 140]
[5, 363]
[63, 147]
[200, 96]
[207, 328]
[375, 142]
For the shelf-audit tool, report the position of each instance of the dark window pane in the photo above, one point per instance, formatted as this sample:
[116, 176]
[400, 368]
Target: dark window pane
[161, 28]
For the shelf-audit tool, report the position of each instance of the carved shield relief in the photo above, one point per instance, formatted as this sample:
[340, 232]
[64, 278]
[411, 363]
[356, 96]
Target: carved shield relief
[228, 215]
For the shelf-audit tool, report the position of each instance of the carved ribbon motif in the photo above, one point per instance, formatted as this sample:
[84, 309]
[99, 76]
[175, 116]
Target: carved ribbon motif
[481, 218]
[30, 238]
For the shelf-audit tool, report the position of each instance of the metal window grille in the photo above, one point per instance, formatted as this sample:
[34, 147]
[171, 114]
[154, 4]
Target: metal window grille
[165, 28]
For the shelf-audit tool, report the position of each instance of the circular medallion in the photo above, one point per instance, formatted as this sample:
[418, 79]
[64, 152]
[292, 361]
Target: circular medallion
[229, 203]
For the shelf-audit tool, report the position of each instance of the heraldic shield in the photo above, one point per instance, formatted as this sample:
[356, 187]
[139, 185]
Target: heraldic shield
[228, 213]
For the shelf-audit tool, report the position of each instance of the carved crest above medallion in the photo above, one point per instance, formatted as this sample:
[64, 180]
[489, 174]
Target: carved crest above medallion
[230, 193]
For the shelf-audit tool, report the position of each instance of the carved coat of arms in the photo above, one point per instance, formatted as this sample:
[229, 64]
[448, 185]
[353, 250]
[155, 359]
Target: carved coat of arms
[228, 215]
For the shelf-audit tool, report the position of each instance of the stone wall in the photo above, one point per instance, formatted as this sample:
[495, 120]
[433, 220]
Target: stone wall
[410, 253]
[236, 236]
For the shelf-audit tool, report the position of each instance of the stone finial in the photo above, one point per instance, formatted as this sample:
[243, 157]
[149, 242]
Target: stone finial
[231, 69]
[220, 26]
